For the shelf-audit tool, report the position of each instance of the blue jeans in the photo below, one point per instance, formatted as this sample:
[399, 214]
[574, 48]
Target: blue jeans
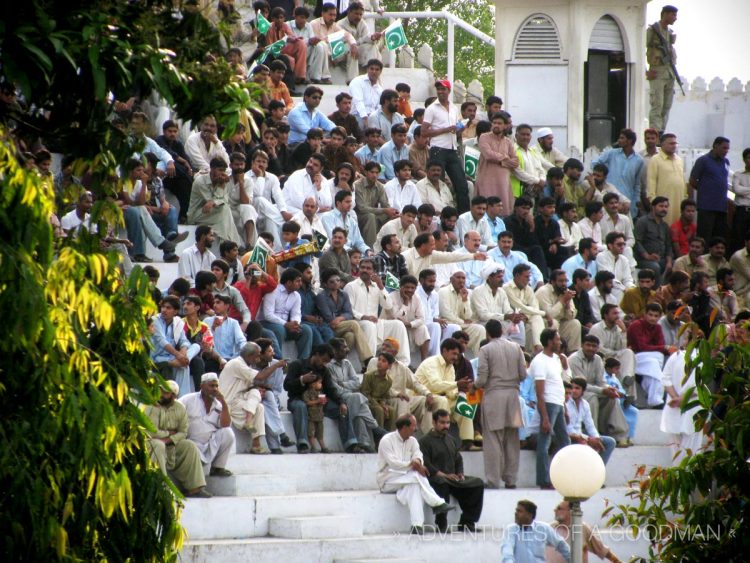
[321, 333]
[141, 226]
[609, 444]
[304, 337]
[346, 428]
[167, 223]
[560, 433]
[298, 408]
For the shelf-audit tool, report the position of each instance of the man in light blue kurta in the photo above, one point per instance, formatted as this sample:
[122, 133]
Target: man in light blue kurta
[344, 217]
[172, 350]
[305, 116]
[526, 540]
[228, 336]
[512, 258]
[625, 167]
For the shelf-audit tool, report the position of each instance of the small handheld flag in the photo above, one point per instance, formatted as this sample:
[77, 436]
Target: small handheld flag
[471, 162]
[395, 36]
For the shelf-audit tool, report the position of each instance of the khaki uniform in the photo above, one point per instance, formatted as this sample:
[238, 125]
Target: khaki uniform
[661, 88]
[379, 394]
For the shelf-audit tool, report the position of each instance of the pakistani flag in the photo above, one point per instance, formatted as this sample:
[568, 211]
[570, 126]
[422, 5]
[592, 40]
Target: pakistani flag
[395, 36]
[320, 239]
[391, 281]
[273, 49]
[259, 257]
[471, 162]
[337, 45]
[464, 408]
[262, 23]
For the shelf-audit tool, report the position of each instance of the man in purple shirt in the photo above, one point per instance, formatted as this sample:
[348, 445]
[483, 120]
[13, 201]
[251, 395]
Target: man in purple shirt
[710, 178]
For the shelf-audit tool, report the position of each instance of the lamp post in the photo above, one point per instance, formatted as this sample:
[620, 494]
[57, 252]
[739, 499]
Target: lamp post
[577, 472]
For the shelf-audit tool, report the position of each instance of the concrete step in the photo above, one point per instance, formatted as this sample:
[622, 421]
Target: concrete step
[480, 547]
[353, 472]
[315, 527]
[246, 517]
[379, 560]
[647, 431]
[251, 485]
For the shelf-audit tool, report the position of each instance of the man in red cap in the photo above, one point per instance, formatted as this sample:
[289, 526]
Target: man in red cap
[440, 120]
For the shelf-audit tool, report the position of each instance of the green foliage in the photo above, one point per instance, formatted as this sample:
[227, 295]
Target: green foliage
[78, 482]
[698, 510]
[474, 59]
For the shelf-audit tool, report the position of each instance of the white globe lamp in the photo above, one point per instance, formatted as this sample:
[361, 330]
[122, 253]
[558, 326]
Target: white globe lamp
[577, 472]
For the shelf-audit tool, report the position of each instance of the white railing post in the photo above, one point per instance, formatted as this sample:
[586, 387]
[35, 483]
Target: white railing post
[392, 54]
[451, 52]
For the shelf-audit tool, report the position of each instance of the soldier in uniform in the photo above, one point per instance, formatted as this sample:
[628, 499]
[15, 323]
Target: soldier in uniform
[660, 73]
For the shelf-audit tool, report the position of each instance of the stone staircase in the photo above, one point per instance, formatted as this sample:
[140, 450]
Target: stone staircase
[326, 508]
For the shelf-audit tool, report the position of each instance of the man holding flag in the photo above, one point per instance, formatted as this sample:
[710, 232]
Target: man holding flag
[438, 375]
[334, 40]
[501, 370]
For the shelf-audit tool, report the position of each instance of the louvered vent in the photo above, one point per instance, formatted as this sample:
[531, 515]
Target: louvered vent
[606, 36]
[538, 39]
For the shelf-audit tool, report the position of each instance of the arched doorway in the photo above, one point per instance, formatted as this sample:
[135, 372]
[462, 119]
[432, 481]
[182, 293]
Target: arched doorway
[606, 76]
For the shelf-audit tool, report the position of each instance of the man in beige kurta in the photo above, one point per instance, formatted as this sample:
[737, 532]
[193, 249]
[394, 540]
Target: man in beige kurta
[556, 300]
[501, 370]
[414, 398]
[523, 300]
[210, 203]
[497, 157]
[455, 307]
[244, 400]
[170, 449]
[666, 177]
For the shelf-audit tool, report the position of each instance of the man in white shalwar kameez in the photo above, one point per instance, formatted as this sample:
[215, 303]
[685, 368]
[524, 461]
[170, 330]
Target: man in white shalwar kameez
[267, 198]
[209, 425]
[679, 425]
[401, 470]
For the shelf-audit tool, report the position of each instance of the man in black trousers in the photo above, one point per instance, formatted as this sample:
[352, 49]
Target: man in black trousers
[445, 464]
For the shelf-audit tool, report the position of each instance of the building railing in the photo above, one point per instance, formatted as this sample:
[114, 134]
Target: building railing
[452, 20]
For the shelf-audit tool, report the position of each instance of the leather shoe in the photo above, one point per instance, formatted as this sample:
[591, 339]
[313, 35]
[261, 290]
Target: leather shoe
[200, 493]
[220, 472]
[442, 509]
[285, 441]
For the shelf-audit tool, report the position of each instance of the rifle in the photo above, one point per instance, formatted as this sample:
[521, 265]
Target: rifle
[666, 49]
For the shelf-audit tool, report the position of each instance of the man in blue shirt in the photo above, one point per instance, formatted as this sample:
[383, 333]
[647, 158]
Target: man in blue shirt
[344, 217]
[306, 116]
[527, 539]
[392, 151]
[493, 216]
[625, 167]
[584, 259]
[228, 336]
[502, 254]
[369, 150]
[172, 351]
[710, 178]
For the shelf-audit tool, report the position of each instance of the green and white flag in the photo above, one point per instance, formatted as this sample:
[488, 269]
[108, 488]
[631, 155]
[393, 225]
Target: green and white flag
[471, 162]
[320, 239]
[337, 45]
[464, 408]
[391, 281]
[395, 36]
[262, 24]
[273, 49]
[259, 257]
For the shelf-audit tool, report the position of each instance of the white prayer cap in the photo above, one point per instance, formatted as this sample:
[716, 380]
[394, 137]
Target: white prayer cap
[173, 387]
[492, 268]
[210, 376]
[543, 132]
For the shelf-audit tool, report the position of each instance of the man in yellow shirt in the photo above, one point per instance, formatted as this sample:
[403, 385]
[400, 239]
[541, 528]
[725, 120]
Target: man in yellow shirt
[666, 176]
[438, 375]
